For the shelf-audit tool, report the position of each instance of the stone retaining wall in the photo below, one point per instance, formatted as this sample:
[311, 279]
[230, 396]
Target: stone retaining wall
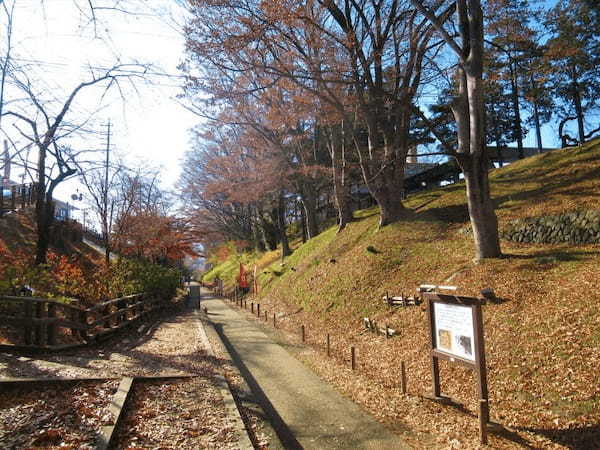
[578, 227]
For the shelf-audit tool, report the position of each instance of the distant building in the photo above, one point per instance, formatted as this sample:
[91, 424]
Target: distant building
[6, 183]
[63, 211]
[511, 154]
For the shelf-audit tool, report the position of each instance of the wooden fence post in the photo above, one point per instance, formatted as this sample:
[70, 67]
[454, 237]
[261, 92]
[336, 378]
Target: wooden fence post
[83, 320]
[107, 323]
[328, 345]
[28, 310]
[303, 334]
[38, 334]
[52, 325]
[274, 325]
[258, 310]
[252, 307]
[353, 357]
[403, 377]
[72, 316]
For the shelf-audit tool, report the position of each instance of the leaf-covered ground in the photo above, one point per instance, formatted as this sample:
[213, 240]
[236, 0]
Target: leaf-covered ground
[542, 339]
[182, 413]
[54, 415]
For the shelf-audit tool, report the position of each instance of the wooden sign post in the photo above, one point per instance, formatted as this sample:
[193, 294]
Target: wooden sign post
[456, 331]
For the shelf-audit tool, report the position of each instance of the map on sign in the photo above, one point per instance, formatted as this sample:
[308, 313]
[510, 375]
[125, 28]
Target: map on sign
[454, 330]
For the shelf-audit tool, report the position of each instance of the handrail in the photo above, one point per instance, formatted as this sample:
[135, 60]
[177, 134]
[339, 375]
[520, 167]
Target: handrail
[40, 300]
[40, 318]
[116, 300]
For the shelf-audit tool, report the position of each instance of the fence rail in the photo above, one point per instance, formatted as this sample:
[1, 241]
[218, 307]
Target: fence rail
[42, 324]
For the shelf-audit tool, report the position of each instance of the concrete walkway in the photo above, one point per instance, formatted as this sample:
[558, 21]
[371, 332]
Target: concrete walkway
[306, 411]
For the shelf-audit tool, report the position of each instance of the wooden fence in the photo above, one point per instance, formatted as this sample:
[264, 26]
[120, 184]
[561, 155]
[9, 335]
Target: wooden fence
[17, 196]
[42, 324]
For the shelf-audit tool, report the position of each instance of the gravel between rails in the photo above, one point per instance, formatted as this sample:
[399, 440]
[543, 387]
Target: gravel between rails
[48, 415]
[183, 414]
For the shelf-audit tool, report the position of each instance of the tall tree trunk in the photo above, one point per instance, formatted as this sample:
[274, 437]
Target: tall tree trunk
[481, 207]
[309, 206]
[388, 197]
[474, 162]
[497, 139]
[516, 107]
[341, 192]
[45, 220]
[268, 228]
[469, 112]
[578, 109]
[303, 225]
[41, 211]
[536, 116]
[259, 243]
[385, 183]
[338, 146]
[285, 245]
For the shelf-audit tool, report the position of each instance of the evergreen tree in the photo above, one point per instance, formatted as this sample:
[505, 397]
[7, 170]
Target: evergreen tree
[573, 54]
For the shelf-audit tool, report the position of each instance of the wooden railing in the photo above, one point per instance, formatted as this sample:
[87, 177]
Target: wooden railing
[38, 323]
[17, 196]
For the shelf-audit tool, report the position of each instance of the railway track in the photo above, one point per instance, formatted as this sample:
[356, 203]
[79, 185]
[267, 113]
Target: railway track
[180, 411]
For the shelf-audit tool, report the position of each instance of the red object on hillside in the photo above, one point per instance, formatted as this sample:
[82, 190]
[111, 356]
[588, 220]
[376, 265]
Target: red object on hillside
[243, 278]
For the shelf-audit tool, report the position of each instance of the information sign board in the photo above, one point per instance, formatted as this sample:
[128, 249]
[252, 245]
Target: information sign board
[454, 330]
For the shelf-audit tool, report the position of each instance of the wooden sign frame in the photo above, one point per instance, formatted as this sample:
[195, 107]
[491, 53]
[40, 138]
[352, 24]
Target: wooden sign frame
[477, 364]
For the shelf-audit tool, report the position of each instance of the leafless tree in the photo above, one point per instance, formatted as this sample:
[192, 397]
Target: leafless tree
[47, 126]
[468, 110]
[6, 58]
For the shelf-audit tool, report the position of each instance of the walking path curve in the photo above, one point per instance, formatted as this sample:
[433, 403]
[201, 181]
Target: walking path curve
[306, 411]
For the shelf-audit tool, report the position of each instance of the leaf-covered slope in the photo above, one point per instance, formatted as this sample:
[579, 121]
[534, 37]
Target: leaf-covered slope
[543, 340]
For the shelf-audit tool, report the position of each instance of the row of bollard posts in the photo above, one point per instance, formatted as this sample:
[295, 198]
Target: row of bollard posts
[242, 303]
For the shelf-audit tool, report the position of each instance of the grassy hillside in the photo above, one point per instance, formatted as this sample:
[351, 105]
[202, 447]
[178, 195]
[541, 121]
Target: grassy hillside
[543, 340]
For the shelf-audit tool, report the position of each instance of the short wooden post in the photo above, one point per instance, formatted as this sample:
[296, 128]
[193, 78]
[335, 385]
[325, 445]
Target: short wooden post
[245, 304]
[258, 310]
[106, 313]
[274, 324]
[483, 415]
[328, 345]
[266, 318]
[252, 307]
[353, 357]
[52, 325]
[72, 315]
[39, 330]
[28, 310]
[303, 334]
[83, 320]
[403, 377]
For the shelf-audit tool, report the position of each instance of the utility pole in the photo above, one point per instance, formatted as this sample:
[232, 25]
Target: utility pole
[105, 199]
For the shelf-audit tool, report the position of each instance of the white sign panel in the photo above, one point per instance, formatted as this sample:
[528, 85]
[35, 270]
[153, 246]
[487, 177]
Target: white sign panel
[454, 331]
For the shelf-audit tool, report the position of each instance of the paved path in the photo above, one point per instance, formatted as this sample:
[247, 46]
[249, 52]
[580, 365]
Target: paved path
[306, 411]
